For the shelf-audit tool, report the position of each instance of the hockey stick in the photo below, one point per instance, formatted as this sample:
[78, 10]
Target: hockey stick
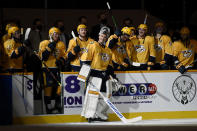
[145, 19]
[116, 111]
[58, 82]
[113, 18]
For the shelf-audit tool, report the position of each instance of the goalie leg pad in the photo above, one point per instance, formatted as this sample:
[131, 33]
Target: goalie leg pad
[102, 108]
[91, 97]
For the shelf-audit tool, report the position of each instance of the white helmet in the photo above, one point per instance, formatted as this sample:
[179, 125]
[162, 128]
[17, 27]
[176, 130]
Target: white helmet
[105, 30]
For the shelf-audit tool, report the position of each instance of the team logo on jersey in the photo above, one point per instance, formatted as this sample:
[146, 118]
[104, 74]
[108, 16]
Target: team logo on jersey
[140, 48]
[187, 53]
[104, 57]
[84, 50]
[184, 89]
[121, 50]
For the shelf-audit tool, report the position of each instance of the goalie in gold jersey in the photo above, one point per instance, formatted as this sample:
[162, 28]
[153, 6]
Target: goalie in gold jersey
[99, 57]
[77, 47]
[163, 48]
[52, 52]
[185, 51]
[121, 48]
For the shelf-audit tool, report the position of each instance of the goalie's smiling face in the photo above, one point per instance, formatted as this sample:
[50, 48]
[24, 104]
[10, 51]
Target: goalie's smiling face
[102, 39]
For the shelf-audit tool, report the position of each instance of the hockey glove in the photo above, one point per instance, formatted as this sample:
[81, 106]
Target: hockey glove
[150, 66]
[118, 32]
[182, 69]
[164, 67]
[45, 55]
[52, 45]
[21, 50]
[112, 42]
[61, 62]
[77, 49]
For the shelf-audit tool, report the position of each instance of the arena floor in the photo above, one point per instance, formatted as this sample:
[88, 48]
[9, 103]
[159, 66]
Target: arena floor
[144, 125]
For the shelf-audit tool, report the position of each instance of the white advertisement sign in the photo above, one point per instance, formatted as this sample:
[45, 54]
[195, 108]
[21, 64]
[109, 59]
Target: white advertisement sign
[146, 92]
[22, 95]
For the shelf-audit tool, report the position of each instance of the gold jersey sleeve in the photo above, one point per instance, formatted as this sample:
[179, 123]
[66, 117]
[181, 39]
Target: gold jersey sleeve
[151, 43]
[10, 46]
[167, 43]
[185, 54]
[110, 38]
[5, 38]
[100, 57]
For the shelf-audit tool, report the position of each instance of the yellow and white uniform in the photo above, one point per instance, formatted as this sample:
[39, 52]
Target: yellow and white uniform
[58, 52]
[121, 51]
[163, 46]
[99, 56]
[10, 46]
[144, 49]
[185, 52]
[83, 46]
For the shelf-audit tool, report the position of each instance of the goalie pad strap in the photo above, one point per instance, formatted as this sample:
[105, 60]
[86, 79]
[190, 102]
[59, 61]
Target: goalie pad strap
[93, 92]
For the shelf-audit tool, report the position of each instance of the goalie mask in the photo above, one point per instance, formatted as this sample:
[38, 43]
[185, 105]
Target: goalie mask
[104, 35]
[105, 30]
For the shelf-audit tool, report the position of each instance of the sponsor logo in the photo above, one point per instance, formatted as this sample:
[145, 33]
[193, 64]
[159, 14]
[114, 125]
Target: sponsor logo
[184, 89]
[138, 91]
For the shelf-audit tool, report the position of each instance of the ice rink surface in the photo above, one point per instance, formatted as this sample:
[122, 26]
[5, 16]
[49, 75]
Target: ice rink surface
[143, 125]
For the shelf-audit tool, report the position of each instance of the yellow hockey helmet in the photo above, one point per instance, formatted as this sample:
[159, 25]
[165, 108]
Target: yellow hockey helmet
[159, 24]
[12, 30]
[9, 25]
[126, 30]
[54, 30]
[81, 26]
[185, 30]
[132, 28]
[143, 26]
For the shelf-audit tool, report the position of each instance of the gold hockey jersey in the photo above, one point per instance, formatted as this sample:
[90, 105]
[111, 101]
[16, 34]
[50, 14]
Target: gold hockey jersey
[163, 46]
[99, 56]
[60, 51]
[5, 38]
[185, 52]
[12, 63]
[121, 50]
[144, 48]
[83, 47]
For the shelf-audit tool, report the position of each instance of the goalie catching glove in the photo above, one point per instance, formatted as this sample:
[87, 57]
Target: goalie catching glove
[116, 85]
